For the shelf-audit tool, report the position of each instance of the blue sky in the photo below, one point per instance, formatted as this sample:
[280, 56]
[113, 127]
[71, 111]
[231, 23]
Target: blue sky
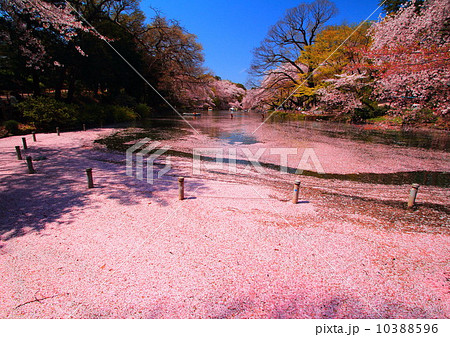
[229, 30]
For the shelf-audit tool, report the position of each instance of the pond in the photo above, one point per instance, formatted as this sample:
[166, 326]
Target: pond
[246, 129]
[219, 123]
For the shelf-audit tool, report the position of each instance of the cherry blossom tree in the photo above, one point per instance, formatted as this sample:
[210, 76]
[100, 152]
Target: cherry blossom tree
[173, 59]
[258, 99]
[343, 93]
[30, 16]
[55, 14]
[206, 91]
[280, 83]
[31, 25]
[195, 93]
[327, 57]
[392, 6]
[411, 56]
[49, 40]
[287, 39]
[227, 94]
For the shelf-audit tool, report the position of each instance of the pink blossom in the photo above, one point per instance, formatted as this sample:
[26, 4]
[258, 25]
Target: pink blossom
[80, 51]
[411, 53]
[59, 17]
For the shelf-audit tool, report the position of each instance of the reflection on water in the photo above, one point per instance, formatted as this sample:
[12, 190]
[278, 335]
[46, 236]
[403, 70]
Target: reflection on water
[428, 139]
[238, 138]
[162, 123]
[219, 125]
[239, 131]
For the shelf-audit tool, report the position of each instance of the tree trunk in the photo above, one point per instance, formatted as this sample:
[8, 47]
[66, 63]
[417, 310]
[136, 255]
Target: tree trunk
[71, 88]
[36, 87]
[310, 77]
[59, 84]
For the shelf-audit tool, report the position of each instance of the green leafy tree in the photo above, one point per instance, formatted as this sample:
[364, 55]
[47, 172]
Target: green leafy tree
[46, 113]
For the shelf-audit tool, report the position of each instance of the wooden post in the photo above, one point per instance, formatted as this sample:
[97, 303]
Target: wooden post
[412, 195]
[30, 165]
[296, 190]
[34, 135]
[57, 131]
[19, 154]
[24, 142]
[89, 178]
[84, 127]
[181, 188]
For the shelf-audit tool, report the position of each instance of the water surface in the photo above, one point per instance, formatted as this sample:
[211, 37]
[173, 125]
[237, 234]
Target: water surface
[240, 131]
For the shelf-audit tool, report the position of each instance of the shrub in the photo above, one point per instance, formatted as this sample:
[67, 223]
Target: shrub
[46, 113]
[143, 110]
[3, 132]
[96, 113]
[423, 115]
[12, 127]
[92, 113]
[26, 128]
[370, 109]
[125, 100]
[123, 114]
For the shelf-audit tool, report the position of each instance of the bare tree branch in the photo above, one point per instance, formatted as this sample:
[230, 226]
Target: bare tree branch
[287, 39]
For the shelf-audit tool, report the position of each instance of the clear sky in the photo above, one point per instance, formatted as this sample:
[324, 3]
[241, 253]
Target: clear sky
[229, 30]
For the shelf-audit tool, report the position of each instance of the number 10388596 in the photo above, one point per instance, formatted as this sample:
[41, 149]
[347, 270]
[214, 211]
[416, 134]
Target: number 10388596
[407, 328]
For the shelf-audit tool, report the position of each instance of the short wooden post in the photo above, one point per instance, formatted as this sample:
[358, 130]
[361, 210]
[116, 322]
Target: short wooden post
[296, 190]
[84, 127]
[412, 195]
[57, 131]
[19, 154]
[30, 165]
[181, 188]
[89, 178]
[34, 135]
[24, 142]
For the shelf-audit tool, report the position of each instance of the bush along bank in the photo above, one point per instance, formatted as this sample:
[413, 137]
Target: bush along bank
[45, 114]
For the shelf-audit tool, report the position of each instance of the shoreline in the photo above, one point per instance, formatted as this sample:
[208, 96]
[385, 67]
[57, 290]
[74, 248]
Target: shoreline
[387, 123]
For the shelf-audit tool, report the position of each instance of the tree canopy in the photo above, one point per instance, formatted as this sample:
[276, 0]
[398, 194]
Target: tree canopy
[63, 49]
[401, 62]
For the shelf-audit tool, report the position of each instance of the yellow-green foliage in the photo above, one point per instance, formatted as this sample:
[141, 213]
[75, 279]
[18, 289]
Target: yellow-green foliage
[123, 114]
[46, 112]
